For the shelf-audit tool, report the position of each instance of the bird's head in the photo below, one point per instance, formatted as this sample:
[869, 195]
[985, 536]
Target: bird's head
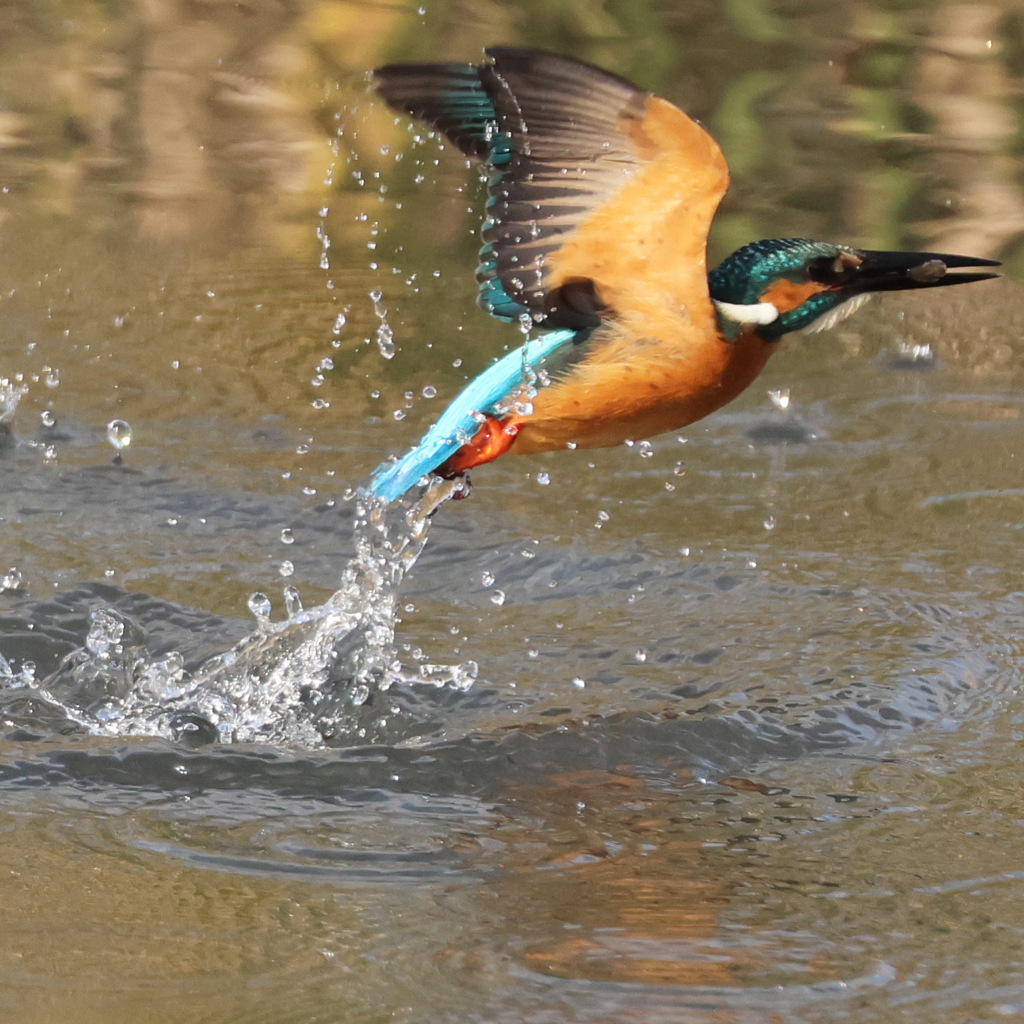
[780, 285]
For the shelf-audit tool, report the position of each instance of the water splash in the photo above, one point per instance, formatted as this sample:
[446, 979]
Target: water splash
[12, 579]
[385, 335]
[318, 677]
[11, 394]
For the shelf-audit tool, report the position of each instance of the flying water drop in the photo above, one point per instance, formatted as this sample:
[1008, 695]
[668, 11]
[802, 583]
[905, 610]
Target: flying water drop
[119, 434]
[259, 605]
[12, 579]
[292, 602]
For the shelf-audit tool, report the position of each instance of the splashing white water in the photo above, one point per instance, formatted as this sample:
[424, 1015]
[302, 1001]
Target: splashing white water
[309, 680]
[11, 394]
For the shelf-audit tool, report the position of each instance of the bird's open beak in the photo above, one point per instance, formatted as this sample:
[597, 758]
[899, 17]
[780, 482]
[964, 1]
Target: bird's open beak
[871, 271]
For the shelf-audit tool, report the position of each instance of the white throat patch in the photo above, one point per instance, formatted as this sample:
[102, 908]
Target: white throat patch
[834, 316]
[760, 313]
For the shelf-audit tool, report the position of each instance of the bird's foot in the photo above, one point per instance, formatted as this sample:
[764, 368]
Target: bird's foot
[493, 437]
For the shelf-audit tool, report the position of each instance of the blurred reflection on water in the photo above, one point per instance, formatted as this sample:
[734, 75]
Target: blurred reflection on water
[743, 742]
[220, 122]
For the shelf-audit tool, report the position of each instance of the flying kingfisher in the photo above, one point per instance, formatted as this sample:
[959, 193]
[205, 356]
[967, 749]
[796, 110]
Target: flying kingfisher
[601, 196]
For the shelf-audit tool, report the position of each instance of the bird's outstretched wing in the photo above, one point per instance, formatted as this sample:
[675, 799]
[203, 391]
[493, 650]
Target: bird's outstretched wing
[590, 177]
[600, 199]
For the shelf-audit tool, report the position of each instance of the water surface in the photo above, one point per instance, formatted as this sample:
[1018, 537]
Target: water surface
[722, 728]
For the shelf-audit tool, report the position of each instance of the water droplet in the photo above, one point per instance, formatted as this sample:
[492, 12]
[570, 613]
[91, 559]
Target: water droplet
[385, 336]
[51, 377]
[48, 418]
[259, 605]
[498, 597]
[429, 391]
[640, 656]
[292, 601]
[769, 522]
[119, 434]
[543, 479]
[286, 568]
[646, 449]
[578, 682]
[779, 398]
[487, 579]
[105, 633]
[679, 469]
[287, 537]
[12, 579]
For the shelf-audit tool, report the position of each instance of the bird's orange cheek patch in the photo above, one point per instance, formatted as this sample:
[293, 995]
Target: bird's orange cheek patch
[786, 295]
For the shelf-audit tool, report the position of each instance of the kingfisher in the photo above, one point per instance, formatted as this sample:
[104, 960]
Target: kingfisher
[600, 199]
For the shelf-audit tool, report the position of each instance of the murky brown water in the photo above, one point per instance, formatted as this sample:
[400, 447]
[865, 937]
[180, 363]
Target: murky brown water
[743, 741]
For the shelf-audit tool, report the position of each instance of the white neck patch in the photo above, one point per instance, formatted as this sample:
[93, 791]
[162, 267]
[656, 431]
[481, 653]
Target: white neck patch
[760, 313]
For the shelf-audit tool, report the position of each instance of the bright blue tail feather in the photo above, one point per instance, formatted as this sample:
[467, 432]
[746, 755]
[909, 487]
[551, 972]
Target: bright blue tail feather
[458, 423]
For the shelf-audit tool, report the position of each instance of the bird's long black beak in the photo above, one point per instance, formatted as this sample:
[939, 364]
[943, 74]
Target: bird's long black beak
[864, 270]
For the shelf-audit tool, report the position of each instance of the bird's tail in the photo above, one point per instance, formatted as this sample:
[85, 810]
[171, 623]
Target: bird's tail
[460, 420]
